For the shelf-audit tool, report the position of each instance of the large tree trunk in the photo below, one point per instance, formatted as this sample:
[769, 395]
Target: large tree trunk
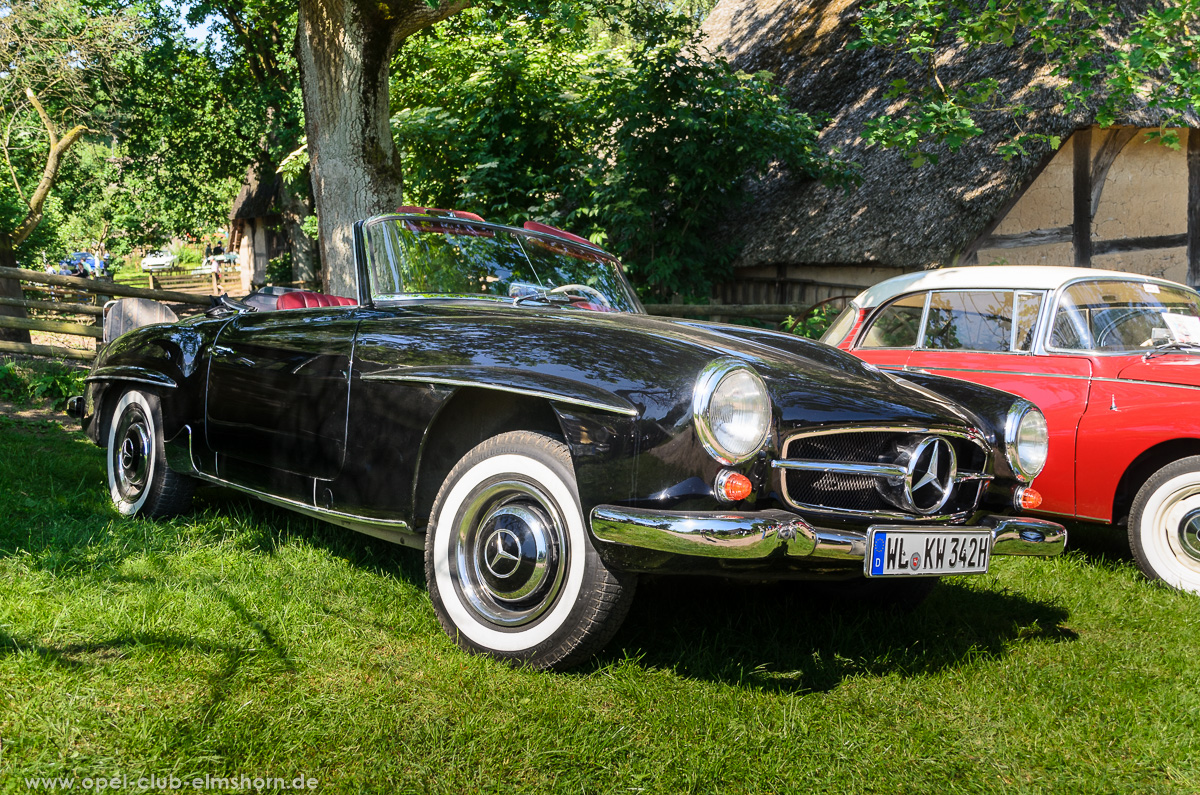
[345, 48]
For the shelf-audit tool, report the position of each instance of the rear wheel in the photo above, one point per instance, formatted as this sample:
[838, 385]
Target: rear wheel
[511, 571]
[1164, 525]
[139, 480]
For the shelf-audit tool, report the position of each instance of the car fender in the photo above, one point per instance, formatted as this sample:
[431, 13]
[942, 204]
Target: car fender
[167, 359]
[1124, 422]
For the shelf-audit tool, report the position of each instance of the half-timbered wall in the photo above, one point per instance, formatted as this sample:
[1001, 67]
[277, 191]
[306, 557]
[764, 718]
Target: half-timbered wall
[1130, 193]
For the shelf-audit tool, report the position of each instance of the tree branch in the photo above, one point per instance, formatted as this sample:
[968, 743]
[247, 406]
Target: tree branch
[11, 170]
[33, 100]
[38, 199]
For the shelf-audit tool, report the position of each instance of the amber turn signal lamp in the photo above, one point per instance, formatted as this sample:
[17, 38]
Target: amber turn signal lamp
[1027, 498]
[732, 486]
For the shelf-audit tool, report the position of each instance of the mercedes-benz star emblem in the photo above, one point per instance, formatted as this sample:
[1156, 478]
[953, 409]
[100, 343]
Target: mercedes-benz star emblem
[931, 471]
[503, 553]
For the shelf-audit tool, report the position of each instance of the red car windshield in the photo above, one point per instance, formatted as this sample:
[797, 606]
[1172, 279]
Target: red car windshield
[1124, 316]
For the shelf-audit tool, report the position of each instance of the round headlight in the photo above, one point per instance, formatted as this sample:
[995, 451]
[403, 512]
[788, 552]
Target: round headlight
[732, 411]
[1026, 440]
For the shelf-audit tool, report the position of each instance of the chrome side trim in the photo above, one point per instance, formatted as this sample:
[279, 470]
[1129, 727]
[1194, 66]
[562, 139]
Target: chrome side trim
[137, 375]
[394, 530]
[517, 390]
[1099, 380]
[749, 536]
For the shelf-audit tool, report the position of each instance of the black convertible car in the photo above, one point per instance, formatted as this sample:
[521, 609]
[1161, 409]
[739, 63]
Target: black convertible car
[497, 397]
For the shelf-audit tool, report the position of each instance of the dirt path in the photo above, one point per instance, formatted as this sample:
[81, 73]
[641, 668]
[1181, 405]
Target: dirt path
[37, 414]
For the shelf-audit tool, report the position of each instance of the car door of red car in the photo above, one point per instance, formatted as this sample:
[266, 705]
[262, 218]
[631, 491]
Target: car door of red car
[988, 337]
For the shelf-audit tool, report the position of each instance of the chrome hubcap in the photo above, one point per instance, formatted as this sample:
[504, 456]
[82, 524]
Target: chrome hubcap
[509, 552]
[1189, 534]
[132, 454]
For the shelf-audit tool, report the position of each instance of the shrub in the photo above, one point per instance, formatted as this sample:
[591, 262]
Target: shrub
[35, 382]
[813, 323]
[279, 269]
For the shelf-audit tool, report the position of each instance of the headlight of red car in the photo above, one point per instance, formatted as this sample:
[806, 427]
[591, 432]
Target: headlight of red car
[1026, 440]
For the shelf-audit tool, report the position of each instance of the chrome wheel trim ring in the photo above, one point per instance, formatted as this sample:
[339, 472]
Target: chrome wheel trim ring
[1189, 534]
[508, 551]
[132, 454]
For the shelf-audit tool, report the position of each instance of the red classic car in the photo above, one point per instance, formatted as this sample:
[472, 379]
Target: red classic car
[1113, 361]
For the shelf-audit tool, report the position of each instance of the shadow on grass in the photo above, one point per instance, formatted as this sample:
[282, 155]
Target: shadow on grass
[1099, 544]
[265, 528]
[786, 637]
[96, 541]
[75, 656]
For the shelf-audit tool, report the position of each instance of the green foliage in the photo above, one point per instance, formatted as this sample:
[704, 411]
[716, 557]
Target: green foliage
[813, 323]
[279, 269]
[1101, 56]
[39, 382]
[186, 256]
[633, 137]
[60, 72]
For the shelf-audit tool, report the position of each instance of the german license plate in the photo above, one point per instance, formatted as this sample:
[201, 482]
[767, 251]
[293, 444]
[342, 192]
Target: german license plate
[896, 552]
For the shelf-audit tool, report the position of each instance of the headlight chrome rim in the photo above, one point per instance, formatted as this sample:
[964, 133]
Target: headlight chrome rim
[1012, 428]
[706, 387]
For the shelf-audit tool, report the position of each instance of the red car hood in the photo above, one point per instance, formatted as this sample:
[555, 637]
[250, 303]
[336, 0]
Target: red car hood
[1171, 368]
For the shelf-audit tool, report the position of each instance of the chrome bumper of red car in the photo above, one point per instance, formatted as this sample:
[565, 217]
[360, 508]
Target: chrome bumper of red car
[749, 536]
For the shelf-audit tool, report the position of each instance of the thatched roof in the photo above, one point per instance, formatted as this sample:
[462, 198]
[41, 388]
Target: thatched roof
[256, 197]
[900, 216]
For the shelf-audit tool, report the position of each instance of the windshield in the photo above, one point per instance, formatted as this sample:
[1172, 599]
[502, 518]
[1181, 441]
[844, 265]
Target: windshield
[438, 256]
[1125, 316]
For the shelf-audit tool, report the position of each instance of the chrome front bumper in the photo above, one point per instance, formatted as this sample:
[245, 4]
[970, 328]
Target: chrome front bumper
[748, 537]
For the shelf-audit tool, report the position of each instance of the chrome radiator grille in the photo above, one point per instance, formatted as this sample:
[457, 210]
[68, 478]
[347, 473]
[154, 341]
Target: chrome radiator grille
[907, 474]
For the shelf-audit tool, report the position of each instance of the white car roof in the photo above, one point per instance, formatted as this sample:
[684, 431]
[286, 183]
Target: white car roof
[995, 277]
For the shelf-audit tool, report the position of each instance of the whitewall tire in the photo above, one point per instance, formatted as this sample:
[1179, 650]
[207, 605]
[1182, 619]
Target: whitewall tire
[1164, 525]
[509, 564]
[139, 480]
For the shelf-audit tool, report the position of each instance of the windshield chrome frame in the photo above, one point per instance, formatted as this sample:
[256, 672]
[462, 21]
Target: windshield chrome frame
[1047, 320]
[363, 269]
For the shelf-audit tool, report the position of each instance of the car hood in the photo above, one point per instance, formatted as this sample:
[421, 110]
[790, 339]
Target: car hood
[652, 363]
[1170, 368]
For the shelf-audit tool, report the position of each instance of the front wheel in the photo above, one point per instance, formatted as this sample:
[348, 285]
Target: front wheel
[139, 480]
[1164, 525]
[510, 569]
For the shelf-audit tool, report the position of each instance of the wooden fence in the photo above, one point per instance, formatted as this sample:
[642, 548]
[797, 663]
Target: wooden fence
[65, 295]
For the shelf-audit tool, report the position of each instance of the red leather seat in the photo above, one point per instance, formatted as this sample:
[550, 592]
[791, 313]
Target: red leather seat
[302, 299]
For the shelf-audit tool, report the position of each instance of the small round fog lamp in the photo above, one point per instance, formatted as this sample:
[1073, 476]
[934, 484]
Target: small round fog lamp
[732, 486]
[1026, 498]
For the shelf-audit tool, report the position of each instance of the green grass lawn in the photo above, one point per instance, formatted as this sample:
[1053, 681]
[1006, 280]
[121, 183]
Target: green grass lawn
[242, 640]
